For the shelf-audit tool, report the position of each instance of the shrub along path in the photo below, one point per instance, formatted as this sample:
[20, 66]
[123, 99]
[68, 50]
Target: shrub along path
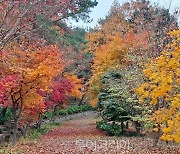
[80, 136]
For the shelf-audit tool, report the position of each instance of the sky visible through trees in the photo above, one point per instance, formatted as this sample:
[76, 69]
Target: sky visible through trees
[103, 7]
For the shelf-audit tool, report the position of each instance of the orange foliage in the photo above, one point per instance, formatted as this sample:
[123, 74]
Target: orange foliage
[35, 68]
[77, 85]
[116, 53]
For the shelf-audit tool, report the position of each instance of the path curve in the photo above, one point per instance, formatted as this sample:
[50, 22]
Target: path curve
[80, 136]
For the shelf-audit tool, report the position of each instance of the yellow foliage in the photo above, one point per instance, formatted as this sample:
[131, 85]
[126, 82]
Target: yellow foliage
[113, 54]
[155, 129]
[163, 90]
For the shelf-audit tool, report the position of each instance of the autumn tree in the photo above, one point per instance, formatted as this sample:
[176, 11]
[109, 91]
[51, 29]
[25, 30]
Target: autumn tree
[59, 96]
[155, 20]
[22, 18]
[64, 88]
[130, 23]
[138, 16]
[30, 71]
[76, 85]
[161, 91]
[114, 54]
[126, 39]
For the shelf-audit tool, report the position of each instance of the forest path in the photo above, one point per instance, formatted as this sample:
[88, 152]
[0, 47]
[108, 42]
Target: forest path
[80, 136]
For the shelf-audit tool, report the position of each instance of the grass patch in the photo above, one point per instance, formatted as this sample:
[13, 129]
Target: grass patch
[35, 134]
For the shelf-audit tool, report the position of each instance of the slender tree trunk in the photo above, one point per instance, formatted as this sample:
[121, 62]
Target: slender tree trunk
[53, 114]
[16, 110]
[122, 128]
[127, 125]
[15, 118]
[14, 139]
[81, 101]
[138, 128]
[156, 135]
[24, 131]
[39, 123]
[75, 100]
[155, 141]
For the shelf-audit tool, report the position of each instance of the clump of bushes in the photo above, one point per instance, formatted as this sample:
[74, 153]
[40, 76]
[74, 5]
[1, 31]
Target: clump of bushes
[70, 110]
[112, 129]
[117, 107]
[74, 109]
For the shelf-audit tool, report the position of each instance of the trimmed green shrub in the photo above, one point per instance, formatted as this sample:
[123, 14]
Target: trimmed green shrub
[74, 109]
[70, 110]
[112, 129]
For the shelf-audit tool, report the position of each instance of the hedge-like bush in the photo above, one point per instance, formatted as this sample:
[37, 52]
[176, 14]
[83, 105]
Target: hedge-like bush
[111, 129]
[73, 109]
[70, 110]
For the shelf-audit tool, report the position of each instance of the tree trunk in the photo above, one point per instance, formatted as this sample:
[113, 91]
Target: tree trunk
[155, 141]
[24, 130]
[53, 114]
[15, 118]
[156, 135]
[14, 139]
[82, 98]
[138, 128]
[127, 125]
[38, 124]
[122, 128]
[16, 115]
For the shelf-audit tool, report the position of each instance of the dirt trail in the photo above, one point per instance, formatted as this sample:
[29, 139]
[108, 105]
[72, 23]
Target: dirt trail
[80, 136]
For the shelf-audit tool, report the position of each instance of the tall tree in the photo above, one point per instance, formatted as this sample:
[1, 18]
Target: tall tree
[19, 18]
[30, 71]
[133, 23]
[115, 53]
[161, 91]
